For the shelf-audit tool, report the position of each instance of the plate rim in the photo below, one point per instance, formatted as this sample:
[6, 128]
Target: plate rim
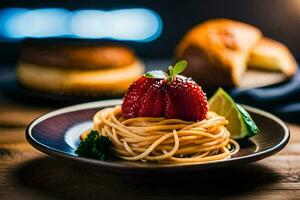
[103, 103]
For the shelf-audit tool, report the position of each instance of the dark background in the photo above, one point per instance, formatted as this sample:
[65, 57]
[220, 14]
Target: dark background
[279, 19]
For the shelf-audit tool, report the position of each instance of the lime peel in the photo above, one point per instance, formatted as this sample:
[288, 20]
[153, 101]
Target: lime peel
[241, 125]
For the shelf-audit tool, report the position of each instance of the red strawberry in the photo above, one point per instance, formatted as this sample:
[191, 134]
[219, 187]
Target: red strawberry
[152, 102]
[185, 100]
[144, 98]
[157, 94]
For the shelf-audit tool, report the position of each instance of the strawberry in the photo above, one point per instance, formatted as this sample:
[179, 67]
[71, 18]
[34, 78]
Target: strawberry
[144, 98]
[185, 100]
[158, 94]
[152, 103]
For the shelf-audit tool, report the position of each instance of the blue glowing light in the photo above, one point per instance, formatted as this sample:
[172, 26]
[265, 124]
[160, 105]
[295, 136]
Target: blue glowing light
[137, 24]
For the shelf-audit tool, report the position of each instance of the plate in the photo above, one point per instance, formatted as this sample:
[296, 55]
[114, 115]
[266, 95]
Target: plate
[57, 134]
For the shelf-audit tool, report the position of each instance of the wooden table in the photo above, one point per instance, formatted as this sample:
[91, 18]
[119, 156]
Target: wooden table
[26, 173]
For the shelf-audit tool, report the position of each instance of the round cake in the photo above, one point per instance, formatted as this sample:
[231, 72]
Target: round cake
[78, 70]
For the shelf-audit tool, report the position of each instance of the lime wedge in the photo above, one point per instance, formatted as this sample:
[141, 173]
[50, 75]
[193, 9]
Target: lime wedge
[241, 125]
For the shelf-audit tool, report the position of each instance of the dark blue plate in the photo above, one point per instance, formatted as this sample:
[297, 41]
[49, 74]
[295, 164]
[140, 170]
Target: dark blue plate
[57, 134]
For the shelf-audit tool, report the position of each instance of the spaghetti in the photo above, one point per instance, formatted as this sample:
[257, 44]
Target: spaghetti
[165, 140]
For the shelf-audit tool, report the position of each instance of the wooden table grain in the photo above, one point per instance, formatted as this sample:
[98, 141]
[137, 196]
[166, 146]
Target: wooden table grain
[26, 173]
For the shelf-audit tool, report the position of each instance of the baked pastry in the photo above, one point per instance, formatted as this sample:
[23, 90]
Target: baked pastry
[74, 70]
[217, 51]
[80, 57]
[271, 55]
[79, 82]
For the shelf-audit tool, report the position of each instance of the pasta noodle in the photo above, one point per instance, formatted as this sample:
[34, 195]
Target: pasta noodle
[165, 140]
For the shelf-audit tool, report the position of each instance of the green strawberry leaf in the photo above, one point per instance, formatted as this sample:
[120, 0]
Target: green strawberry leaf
[156, 74]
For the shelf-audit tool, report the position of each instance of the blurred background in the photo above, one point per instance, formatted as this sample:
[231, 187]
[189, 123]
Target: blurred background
[152, 28]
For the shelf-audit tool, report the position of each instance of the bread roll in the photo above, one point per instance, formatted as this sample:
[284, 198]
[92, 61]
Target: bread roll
[217, 51]
[271, 55]
[78, 56]
[89, 70]
[79, 82]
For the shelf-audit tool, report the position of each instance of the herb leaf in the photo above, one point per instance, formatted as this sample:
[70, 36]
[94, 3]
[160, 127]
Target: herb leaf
[94, 146]
[179, 67]
[156, 74]
[173, 71]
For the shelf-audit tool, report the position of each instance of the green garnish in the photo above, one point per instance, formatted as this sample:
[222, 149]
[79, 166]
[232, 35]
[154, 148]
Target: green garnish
[94, 146]
[177, 69]
[173, 71]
